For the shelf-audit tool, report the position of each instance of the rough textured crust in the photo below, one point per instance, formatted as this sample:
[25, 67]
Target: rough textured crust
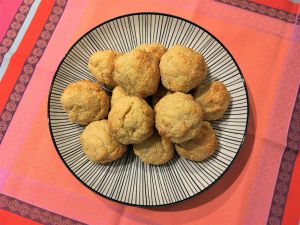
[84, 102]
[182, 69]
[117, 93]
[178, 117]
[131, 120]
[155, 49]
[155, 150]
[99, 145]
[201, 147]
[214, 99]
[161, 92]
[101, 65]
[137, 72]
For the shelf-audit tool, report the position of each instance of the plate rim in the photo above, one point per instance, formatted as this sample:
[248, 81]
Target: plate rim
[133, 204]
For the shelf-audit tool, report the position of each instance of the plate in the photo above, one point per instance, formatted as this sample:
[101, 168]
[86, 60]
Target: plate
[128, 180]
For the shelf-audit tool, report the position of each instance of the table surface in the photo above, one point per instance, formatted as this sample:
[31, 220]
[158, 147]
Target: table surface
[261, 187]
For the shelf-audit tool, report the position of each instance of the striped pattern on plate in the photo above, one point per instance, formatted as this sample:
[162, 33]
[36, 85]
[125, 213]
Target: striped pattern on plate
[128, 180]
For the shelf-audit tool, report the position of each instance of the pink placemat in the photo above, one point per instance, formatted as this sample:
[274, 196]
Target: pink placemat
[265, 41]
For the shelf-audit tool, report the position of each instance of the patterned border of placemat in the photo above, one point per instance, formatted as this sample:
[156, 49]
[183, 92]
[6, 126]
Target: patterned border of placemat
[264, 10]
[33, 212]
[29, 66]
[14, 27]
[286, 167]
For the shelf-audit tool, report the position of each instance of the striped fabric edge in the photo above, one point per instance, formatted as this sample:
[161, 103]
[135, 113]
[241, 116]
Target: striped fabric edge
[264, 10]
[291, 213]
[14, 28]
[286, 167]
[34, 213]
[18, 39]
[29, 66]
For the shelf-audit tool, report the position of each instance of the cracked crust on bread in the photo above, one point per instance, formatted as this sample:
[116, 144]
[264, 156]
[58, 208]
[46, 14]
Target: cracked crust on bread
[182, 69]
[201, 147]
[131, 120]
[214, 99]
[155, 150]
[84, 102]
[137, 72]
[101, 65]
[98, 143]
[178, 117]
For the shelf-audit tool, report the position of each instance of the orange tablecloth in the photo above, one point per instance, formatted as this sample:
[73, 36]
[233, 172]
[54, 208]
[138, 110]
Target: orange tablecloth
[262, 186]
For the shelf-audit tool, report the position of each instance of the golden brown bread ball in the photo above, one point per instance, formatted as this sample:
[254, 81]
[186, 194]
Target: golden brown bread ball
[84, 102]
[178, 117]
[131, 120]
[182, 69]
[155, 49]
[137, 72]
[101, 65]
[155, 150]
[200, 147]
[98, 143]
[214, 99]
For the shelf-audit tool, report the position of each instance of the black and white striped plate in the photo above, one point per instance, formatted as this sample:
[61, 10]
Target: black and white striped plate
[128, 180]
